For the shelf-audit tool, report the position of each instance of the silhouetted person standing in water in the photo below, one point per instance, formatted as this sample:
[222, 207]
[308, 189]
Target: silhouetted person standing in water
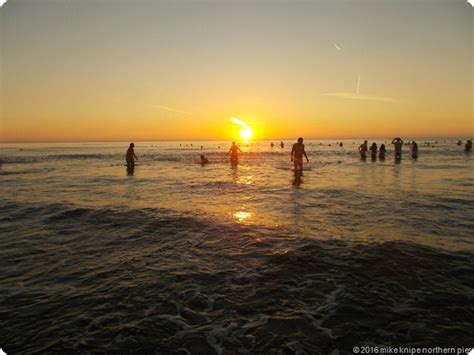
[382, 151]
[204, 160]
[398, 143]
[130, 157]
[234, 154]
[468, 145]
[282, 145]
[297, 153]
[363, 150]
[373, 151]
[414, 150]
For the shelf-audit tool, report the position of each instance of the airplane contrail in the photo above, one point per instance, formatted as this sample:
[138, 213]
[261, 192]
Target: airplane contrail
[239, 122]
[352, 96]
[358, 85]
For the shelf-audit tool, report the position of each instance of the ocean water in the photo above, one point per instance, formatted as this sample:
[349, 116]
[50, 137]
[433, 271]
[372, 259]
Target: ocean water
[183, 258]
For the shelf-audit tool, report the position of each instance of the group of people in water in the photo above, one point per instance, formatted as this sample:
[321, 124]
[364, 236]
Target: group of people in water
[398, 144]
[282, 145]
[298, 152]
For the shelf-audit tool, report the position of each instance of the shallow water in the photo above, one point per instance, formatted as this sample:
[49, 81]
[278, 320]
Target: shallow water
[217, 259]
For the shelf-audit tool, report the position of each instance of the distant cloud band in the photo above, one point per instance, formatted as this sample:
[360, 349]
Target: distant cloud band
[170, 109]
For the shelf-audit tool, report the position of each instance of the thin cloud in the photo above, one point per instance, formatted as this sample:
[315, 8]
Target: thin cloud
[352, 96]
[337, 46]
[170, 109]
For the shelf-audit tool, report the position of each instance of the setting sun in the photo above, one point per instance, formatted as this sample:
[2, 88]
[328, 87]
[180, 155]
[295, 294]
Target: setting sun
[246, 132]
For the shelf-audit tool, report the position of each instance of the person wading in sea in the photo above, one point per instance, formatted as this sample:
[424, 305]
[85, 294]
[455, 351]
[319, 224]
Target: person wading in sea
[382, 151]
[234, 154]
[414, 150]
[468, 146]
[398, 143]
[363, 150]
[297, 153]
[130, 157]
[373, 151]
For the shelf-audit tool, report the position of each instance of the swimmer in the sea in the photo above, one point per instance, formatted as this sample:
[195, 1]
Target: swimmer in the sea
[204, 160]
[414, 150]
[468, 145]
[130, 156]
[398, 143]
[382, 151]
[373, 151]
[363, 150]
[234, 153]
[282, 145]
[297, 153]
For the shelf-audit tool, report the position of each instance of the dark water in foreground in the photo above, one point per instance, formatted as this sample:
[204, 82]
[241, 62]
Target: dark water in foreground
[214, 260]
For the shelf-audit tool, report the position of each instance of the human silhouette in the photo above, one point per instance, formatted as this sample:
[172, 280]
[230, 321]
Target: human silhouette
[382, 151]
[363, 150]
[282, 145]
[297, 153]
[234, 154]
[130, 157]
[204, 160]
[373, 151]
[398, 143]
[414, 150]
[272, 145]
[468, 145]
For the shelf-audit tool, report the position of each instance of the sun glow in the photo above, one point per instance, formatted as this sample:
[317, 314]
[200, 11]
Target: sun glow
[246, 132]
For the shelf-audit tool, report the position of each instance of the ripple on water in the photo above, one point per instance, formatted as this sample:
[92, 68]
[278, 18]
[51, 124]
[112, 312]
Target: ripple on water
[175, 282]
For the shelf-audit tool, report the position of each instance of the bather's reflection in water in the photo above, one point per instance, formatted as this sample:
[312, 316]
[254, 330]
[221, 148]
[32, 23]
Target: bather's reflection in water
[297, 180]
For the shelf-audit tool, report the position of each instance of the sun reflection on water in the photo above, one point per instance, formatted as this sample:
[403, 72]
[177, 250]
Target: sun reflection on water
[242, 216]
[245, 180]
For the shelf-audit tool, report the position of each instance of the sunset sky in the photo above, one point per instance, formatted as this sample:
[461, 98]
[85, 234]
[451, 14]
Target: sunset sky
[152, 70]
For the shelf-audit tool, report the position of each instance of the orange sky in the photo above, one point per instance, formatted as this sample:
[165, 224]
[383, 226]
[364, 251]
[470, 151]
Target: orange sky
[175, 71]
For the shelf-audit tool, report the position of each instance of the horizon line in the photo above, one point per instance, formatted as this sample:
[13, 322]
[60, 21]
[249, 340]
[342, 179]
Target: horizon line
[224, 140]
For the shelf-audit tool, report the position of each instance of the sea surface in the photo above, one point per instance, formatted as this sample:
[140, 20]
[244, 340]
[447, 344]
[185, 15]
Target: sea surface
[189, 259]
